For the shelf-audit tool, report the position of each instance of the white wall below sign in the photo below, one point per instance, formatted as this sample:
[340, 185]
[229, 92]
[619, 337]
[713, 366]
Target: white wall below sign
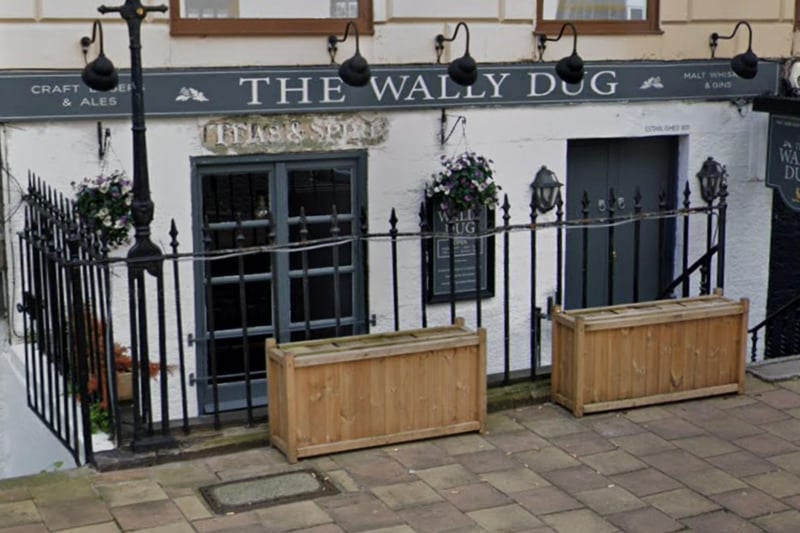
[519, 140]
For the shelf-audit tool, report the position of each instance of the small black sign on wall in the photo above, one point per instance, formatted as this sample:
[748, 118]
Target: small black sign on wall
[783, 158]
[467, 228]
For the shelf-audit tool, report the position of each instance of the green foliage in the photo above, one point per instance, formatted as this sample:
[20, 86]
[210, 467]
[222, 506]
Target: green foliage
[105, 203]
[99, 419]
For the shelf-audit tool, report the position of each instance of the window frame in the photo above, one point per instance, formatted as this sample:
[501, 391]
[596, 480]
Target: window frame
[243, 26]
[797, 14]
[652, 24]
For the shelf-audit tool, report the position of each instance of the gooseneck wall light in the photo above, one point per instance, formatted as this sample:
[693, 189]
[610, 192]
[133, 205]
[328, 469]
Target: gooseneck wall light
[354, 71]
[570, 68]
[100, 74]
[464, 70]
[745, 65]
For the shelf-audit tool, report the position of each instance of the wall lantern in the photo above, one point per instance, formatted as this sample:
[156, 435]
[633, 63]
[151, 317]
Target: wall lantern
[354, 71]
[570, 68]
[464, 70]
[711, 176]
[545, 188]
[100, 74]
[745, 65]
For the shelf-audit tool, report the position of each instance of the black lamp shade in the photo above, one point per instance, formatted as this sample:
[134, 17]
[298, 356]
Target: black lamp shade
[711, 175]
[570, 68]
[745, 65]
[355, 71]
[100, 74]
[545, 188]
[464, 70]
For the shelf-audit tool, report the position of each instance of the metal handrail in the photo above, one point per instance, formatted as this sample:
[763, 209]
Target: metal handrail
[689, 271]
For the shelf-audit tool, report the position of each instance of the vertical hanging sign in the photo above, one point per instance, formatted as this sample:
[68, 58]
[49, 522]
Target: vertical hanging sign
[783, 158]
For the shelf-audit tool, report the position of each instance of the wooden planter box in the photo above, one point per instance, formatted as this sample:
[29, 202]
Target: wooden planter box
[625, 356]
[345, 393]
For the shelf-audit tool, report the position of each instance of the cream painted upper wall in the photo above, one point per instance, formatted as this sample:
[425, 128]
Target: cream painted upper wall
[45, 34]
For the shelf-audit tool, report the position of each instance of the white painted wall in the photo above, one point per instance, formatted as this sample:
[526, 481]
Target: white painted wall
[519, 140]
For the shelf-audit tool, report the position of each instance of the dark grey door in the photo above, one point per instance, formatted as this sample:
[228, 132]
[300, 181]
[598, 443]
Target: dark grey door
[321, 293]
[594, 167]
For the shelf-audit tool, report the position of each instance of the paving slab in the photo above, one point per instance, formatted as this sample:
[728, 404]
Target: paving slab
[402, 495]
[785, 522]
[720, 521]
[579, 520]
[59, 515]
[646, 481]
[18, 513]
[647, 520]
[546, 459]
[476, 496]
[773, 370]
[148, 515]
[293, 516]
[704, 446]
[577, 479]
[712, 481]
[643, 443]
[610, 500]
[584, 443]
[776, 484]
[436, 517]
[546, 500]
[766, 445]
[681, 503]
[514, 480]
[507, 519]
[742, 464]
[610, 463]
[749, 503]
[444, 477]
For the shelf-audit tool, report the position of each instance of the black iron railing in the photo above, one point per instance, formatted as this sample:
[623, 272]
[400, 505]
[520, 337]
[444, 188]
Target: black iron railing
[73, 311]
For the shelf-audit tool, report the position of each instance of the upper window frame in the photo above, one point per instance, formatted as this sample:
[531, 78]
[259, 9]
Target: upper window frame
[797, 14]
[249, 27]
[605, 27]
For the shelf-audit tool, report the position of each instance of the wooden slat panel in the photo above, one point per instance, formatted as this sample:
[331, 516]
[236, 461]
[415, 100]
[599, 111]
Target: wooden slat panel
[624, 358]
[378, 400]
[702, 353]
[448, 386]
[666, 353]
[652, 379]
[689, 354]
[303, 422]
[639, 369]
[421, 409]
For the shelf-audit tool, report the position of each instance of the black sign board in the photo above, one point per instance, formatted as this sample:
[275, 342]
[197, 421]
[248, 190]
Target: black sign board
[466, 230]
[60, 95]
[783, 158]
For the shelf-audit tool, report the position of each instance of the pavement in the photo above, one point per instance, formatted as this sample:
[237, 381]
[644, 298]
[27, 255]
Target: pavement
[725, 464]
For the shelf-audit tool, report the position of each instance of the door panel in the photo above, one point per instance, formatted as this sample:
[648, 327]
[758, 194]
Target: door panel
[596, 166]
[235, 196]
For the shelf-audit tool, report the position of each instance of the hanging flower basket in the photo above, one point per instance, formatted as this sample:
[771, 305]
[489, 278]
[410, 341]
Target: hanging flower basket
[465, 183]
[104, 202]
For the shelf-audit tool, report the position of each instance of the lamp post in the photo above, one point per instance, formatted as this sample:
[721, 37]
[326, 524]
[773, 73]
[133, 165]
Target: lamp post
[712, 176]
[144, 256]
[546, 194]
